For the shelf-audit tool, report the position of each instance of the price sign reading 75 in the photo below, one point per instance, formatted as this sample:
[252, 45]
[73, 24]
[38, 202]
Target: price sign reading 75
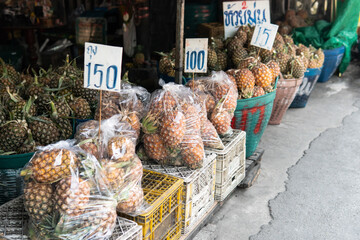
[102, 67]
[264, 35]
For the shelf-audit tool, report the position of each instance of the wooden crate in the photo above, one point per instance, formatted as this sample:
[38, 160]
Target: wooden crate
[214, 29]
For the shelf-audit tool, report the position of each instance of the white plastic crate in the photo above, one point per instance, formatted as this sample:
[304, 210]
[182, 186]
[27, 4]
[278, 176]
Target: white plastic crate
[227, 160]
[199, 188]
[222, 191]
[14, 221]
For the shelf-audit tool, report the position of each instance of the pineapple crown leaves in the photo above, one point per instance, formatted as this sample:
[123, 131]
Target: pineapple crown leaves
[27, 106]
[13, 96]
[149, 124]
[54, 112]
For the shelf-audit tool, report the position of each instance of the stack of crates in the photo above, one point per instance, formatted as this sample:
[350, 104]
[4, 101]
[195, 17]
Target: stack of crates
[199, 189]
[163, 218]
[14, 221]
[230, 163]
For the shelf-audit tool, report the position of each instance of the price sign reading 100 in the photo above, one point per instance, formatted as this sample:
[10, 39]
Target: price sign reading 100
[102, 67]
[196, 55]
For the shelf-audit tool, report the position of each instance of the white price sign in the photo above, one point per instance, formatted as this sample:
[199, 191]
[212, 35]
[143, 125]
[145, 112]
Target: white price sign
[264, 35]
[196, 51]
[240, 13]
[102, 67]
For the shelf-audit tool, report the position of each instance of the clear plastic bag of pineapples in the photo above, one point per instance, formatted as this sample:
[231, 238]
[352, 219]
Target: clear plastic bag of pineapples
[131, 102]
[176, 127]
[219, 94]
[116, 150]
[67, 194]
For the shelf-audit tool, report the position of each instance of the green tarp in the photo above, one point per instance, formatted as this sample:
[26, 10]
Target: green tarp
[342, 32]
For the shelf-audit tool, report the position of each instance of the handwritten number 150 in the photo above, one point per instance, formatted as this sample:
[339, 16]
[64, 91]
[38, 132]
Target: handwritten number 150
[97, 69]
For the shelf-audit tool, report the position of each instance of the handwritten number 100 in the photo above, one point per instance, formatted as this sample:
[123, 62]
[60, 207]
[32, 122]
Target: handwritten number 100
[195, 59]
[97, 70]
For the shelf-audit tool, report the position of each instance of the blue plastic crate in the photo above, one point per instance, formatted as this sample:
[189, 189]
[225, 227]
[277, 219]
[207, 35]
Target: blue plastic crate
[333, 59]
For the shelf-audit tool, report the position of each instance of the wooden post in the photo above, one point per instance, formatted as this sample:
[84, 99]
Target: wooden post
[179, 56]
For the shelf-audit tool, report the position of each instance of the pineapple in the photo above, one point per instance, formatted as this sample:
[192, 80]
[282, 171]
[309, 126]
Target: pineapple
[221, 119]
[209, 135]
[173, 128]
[263, 75]
[212, 58]
[113, 173]
[35, 89]
[80, 108]
[234, 45]
[134, 199]
[59, 108]
[72, 196]
[166, 66]
[274, 68]
[231, 74]
[108, 109]
[65, 128]
[29, 145]
[303, 50]
[90, 95]
[162, 102]
[279, 38]
[3, 115]
[266, 55]
[155, 147]
[51, 165]
[134, 171]
[38, 200]
[282, 59]
[86, 130]
[296, 67]
[320, 53]
[134, 122]
[192, 118]
[258, 91]
[44, 130]
[121, 149]
[241, 34]
[12, 135]
[217, 43]
[222, 60]
[245, 81]
[90, 146]
[192, 151]
[248, 62]
[238, 55]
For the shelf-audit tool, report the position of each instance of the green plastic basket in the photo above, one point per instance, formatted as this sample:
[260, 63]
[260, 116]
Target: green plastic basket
[252, 116]
[11, 184]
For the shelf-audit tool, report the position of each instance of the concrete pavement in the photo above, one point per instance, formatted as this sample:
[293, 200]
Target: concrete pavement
[309, 142]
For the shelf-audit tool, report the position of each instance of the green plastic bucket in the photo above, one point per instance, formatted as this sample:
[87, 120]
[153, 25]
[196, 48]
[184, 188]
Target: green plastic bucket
[11, 184]
[252, 116]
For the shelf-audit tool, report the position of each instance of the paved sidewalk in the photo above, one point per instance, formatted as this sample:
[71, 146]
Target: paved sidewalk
[321, 141]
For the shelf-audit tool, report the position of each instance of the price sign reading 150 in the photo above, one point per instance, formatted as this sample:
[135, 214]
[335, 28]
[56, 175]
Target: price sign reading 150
[264, 35]
[102, 67]
[196, 55]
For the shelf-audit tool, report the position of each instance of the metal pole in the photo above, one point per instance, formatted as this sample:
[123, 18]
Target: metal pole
[179, 41]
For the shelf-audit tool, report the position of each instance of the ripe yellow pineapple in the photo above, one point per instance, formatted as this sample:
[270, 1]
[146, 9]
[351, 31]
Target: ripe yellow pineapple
[134, 171]
[192, 118]
[51, 165]
[173, 128]
[245, 82]
[209, 136]
[263, 75]
[161, 103]
[121, 149]
[155, 147]
[72, 196]
[221, 119]
[192, 151]
[134, 199]
[38, 200]
[113, 173]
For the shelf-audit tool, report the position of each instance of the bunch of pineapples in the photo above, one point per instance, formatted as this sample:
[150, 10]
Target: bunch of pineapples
[220, 97]
[115, 148]
[172, 127]
[67, 194]
[167, 63]
[37, 111]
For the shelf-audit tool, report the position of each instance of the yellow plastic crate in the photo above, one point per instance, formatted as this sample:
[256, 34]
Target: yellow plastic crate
[164, 195]
[199, 187]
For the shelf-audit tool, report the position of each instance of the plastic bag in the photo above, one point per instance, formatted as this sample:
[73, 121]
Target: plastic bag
[172, 127]
[221, 100]
[120, 164]
[66, 194]
[131, 102]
